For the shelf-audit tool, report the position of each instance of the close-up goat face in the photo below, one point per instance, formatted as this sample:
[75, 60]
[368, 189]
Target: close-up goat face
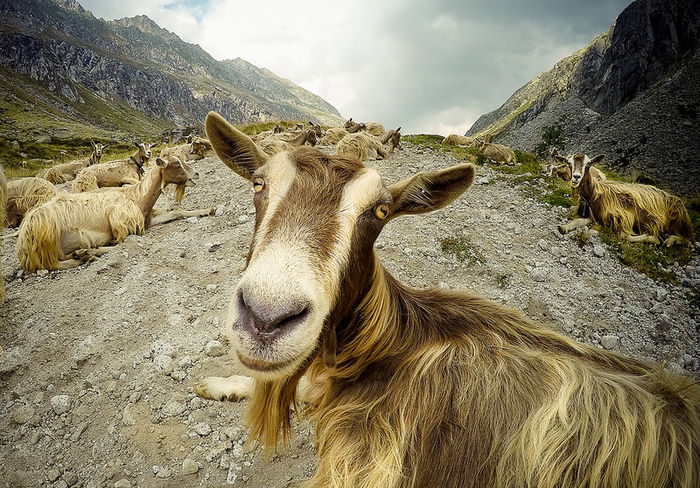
[317, 217]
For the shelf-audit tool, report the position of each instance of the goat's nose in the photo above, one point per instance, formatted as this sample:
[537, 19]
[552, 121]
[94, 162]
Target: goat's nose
[267, 320]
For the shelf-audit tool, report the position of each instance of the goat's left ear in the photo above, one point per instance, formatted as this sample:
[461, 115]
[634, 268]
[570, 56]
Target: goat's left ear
[429, 190]
[137, 144]
[560, 158]
[597, 159]
[155, 145]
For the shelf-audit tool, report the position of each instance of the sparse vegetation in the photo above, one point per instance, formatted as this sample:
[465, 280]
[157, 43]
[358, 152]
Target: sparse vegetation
[552, 135]
[650, 259]
[461, 247]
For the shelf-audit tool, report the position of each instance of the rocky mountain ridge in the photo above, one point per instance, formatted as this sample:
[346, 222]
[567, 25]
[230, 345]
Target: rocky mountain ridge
[60, 62]
[632, 93]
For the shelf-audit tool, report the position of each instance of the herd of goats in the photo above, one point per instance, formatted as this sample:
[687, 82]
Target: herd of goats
[406, 387]
[97, 217]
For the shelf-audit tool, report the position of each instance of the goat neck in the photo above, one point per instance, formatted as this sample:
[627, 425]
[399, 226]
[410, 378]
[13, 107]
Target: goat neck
[146, 192]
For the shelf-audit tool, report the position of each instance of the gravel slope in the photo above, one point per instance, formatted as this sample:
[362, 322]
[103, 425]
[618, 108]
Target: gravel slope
[97, 363]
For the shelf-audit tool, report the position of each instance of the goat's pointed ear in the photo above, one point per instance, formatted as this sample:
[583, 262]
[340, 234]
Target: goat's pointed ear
[597, 159]
[137, 144]
[105, 147]
[399, 129]
[560, 158]
[155, 145]
[235, 149]
[161, 162]
[429, 190]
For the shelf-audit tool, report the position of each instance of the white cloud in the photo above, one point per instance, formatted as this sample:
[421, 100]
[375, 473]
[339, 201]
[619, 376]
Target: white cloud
[428, 66]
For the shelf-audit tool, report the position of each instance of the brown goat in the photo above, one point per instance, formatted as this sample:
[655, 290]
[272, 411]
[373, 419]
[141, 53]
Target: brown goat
[419, 388]
[641, 213]
[115, 173]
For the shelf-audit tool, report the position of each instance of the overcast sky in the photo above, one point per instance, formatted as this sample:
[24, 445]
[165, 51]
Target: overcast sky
[428, 66]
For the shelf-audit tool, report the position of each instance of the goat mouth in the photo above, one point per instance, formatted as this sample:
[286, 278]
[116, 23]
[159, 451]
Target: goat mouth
[261, 365]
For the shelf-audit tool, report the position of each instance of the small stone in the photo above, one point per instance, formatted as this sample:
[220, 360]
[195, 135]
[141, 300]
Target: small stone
[173, 408]
[191, 220]
[202, 429]
[60, 404]
[211, 287]
[53, 474]
[610, 341]
[129, 414]
[122, 483]
[164, 473]
[563, 260]
[42, 273]
[185, 362]
[161, 347]
[178, 375]
[70, 478]
[242, 219]
[60, 484]
[189, 466]
[162, 362]
[22, 414]
[598, 250]
[661, 294]
[538, 274]
[214, 349]
[135, 397]
[544, 245]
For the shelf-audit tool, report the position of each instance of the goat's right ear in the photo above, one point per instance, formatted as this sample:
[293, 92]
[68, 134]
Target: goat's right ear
[161, 162]
[429, 190]
[235, 149]
[597, 159]
[137, 144]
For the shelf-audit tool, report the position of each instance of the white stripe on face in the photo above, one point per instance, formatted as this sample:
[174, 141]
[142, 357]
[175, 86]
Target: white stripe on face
[358, 195]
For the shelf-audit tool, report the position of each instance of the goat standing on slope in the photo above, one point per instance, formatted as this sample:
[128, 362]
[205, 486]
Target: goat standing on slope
[423, 388]
[641, 213]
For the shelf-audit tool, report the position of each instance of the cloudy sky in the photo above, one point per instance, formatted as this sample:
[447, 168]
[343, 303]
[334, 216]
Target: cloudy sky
[429, 66]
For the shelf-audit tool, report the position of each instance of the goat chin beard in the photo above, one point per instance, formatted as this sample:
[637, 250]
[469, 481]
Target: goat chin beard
[269, 371]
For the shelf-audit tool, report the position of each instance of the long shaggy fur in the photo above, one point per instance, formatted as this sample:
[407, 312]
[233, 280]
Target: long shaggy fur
[498, 153]
[375, 128]
[635, 208]
[362, 146]
[437, 388]
[333, 136]
[105, 216]
[457, 140]
[23, 194]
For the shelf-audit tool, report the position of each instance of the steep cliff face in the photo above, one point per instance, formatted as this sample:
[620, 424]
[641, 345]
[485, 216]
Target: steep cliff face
[57, 58]
[633, 93]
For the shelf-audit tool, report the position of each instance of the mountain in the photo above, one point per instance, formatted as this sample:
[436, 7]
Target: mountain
[633, 94]
[64, 72]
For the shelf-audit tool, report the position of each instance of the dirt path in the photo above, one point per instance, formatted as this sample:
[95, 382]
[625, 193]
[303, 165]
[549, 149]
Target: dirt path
[97, 363]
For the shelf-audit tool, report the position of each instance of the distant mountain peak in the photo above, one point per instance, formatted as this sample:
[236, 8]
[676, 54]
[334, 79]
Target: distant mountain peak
[632, 93]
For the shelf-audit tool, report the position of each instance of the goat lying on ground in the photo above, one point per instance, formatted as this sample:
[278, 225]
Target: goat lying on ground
[114, 173]
[334, 136]
[192, 151]
[272, 145]
[23, 194]
[68, 171]
[362, 146]
[497, 153]
[417, 388]
[641, 213]
[3, 206]
[457, 140]
[72, 228]
[374, 128]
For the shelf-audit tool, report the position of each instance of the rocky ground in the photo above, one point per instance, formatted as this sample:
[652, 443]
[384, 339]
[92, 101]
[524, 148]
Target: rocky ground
[97, 363]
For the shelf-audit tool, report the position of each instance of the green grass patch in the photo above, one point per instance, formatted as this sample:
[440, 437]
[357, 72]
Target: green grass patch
[650, 259]
[461, 248]
[559, 196]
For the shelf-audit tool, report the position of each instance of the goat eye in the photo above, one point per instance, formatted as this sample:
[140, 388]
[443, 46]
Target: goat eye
[381, 211]
[258, 185]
